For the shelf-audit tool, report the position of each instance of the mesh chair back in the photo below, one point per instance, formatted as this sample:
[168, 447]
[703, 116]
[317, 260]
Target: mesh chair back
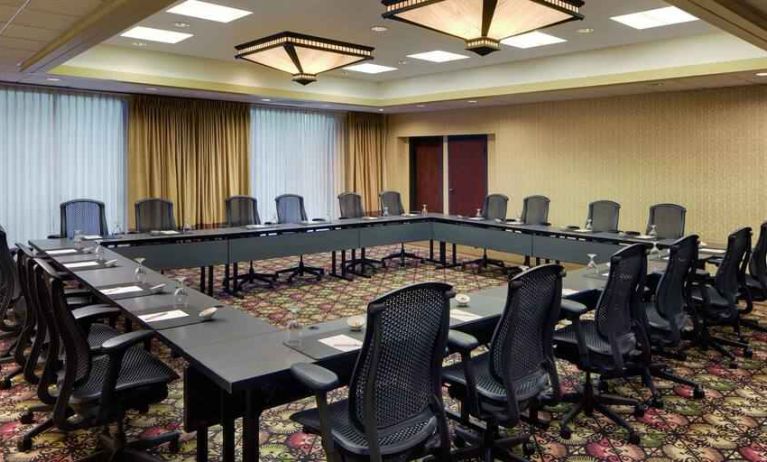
[290, 209]
[757, 266]
[85, 215]
[397, 374]
[242, 211]
[494, 207]
[670, 295]
[535, 210]
[392, 201]
[668, 220]
[728, 275]
[351, 205]
[8, 283]
[521, 354]
[154, 214]
[619, 299]
[604, 216]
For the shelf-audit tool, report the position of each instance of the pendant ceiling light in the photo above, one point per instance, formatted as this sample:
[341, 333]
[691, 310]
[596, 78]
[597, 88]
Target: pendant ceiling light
[304, 56]
[483, 23]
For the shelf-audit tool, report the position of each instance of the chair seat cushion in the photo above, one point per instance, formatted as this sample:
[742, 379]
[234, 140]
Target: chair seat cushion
[420, 431]
[488, 387]
[139, 370]
[100, 333]
[718, 308]
[600, 353]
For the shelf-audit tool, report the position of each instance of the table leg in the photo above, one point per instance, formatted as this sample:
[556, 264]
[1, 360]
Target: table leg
[227, 425]
[442, 253]
[250, 428]
[431, 249]
[227, 286]
[455, 252]
[334, 272]
[343, 264]
[202, 279]
[210, 281]
[202, 445]
[235, 277]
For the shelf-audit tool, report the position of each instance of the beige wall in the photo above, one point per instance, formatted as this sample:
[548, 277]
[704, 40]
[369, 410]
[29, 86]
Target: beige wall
[705, 149]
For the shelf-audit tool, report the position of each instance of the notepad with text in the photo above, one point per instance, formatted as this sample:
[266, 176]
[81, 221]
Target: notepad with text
[342, 342]
[464, 316]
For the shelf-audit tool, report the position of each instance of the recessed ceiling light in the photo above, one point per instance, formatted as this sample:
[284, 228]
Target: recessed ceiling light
[181, 25]
[156, 35]
[532, 40]
[438, 56]
[655, 84]
[139, 44]
[266, 100]
[380, 110]
[53, 79]
[369, 68]
[585, 30]
[209, 11]
[151, 89]
[472, 101]
[655, 18]
[421, 105]
[379, 28]
[761, 74]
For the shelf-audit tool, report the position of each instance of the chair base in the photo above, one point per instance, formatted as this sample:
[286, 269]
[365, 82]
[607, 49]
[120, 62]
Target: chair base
[235, 281]
[402, 255]
[484, 262]
[663, 371]
[302, 270]
[588, 401]
[753, 324]
[6, 382]
[362, 263]
[487, 445]
[115, 448]
[704, 340]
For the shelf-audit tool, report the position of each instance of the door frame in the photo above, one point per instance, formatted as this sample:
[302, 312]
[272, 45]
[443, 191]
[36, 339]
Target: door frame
[412, 206]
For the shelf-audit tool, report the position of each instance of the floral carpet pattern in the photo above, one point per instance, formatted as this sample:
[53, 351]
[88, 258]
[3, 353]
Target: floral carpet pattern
[730, 423]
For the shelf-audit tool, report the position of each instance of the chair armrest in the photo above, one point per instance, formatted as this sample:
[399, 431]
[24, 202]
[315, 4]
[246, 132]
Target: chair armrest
[546, 223]
[572, 309]
[94, 312]
[316, 378]
[269, 223]
[319, 219]
[461, 342]
[54, 236]
[118, 345]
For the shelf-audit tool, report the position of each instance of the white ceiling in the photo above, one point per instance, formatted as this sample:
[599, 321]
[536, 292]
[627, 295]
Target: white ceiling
[35, 24]
[351, 20]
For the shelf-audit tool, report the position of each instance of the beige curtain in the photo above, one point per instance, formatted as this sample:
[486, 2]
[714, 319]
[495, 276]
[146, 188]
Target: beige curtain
[364, 158]
[192, 152]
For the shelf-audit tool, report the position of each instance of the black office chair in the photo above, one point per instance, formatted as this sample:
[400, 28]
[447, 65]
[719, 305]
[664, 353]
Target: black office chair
[243, 211]
[154, 215]
[493, 208]
[716, 299]
[517, 374]
[535, 211]
[86, 215]
[612, 345]
[668, 220]
[394, 410]
[350, 204]
[97, 390]
[10, 294]
[755, 280]
[666, 309]
[391, 203]
[603, 216]
[290, 209]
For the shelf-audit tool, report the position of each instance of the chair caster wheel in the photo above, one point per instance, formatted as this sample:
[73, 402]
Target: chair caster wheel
[459, 442]
[639, 410]
[565, 433]
[25, 445]
[174, 445]
[528, 448]
[5, 384]
[733, 365]
[698, 393]
[27, 418]
[748, 353]
[656, 402]
[633, 438]
[603, 386]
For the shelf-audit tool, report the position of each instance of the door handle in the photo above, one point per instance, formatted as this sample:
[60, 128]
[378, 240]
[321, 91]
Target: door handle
[451, 190]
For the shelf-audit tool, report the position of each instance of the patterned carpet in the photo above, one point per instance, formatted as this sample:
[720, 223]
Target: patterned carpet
[729, 424]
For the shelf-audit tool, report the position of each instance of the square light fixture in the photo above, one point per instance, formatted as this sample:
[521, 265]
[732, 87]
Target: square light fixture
[438, 56]
[655, 18]
[532, 40]
[156, 35]
[209, 11]
[370, 68]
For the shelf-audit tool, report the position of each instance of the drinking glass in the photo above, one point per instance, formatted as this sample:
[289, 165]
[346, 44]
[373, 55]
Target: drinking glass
[181, 295]
[386, 211]
[479, 213]
[99, 252]
[187, 228]
[653, 232]
[588, 224]
[77, 238]
[424, 210]
[592, 265]
[140, 272]
[655, 251]
[293, 327]
[117, 229]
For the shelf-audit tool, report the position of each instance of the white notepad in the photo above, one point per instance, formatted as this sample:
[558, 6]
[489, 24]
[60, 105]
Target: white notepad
[713, 251]
[121, 290]
[342, 342]
[567, 292]
[643, 236]
[81, 264]
[464, 315]
[61, 252]
[163, 316]
[91, 237]
[169, 232]
[581, 230]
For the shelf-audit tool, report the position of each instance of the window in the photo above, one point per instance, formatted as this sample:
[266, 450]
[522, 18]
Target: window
[55, 147]
[297, 152]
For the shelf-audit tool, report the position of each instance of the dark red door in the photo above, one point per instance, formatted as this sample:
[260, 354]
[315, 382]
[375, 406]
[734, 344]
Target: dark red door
[426, 171]
[467, 173]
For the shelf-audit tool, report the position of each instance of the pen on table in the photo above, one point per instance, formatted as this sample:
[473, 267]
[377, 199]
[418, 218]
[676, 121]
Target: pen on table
[154, 316]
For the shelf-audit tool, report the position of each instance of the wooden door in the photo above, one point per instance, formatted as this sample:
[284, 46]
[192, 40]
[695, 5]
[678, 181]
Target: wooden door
[426, 170]
[467, 173]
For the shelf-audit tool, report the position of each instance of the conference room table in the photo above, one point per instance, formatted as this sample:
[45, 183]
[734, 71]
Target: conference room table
[237, 366]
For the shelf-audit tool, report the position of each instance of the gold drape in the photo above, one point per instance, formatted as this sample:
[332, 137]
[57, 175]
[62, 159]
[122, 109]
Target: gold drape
[192, 152]
[364, 158]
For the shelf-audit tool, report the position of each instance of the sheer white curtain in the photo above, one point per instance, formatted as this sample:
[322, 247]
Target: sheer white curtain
[299, 152]
[55, 147]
